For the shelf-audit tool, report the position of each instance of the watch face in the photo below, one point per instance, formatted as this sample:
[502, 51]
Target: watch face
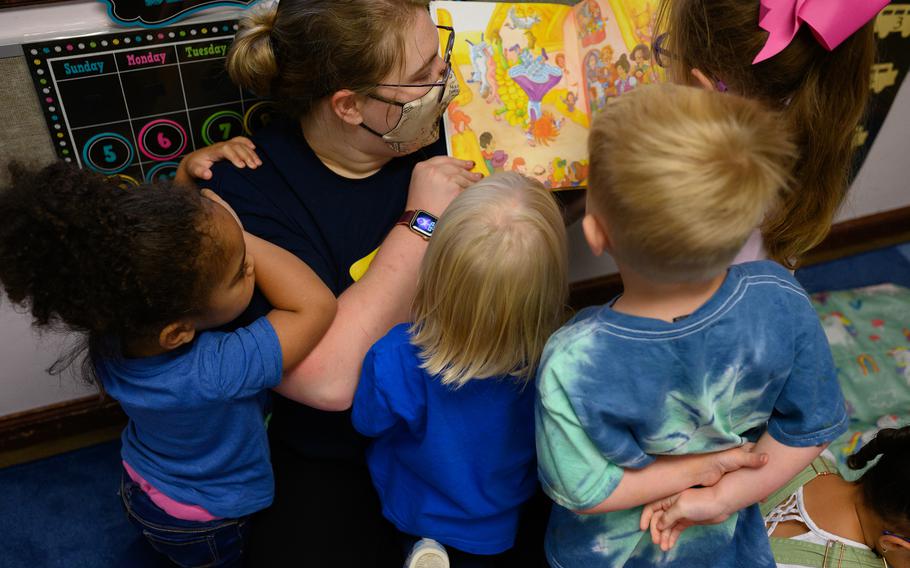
[424, 223]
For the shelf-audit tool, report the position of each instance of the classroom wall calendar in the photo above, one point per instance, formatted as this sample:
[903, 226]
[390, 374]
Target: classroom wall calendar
[131, 104]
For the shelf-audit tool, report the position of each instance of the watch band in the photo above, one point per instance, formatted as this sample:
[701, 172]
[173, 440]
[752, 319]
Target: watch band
[406, 217]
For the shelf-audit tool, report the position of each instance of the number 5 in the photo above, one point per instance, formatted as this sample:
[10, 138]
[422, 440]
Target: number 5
[109, 156]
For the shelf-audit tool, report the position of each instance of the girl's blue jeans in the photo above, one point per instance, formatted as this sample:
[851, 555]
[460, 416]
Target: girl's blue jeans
[185, 543]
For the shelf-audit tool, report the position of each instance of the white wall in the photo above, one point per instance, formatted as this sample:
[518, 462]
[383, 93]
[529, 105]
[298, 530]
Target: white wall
[24, 357]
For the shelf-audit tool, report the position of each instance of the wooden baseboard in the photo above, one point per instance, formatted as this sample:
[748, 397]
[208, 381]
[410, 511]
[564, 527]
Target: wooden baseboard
[48, 423]
[847, 238]
[862, 235]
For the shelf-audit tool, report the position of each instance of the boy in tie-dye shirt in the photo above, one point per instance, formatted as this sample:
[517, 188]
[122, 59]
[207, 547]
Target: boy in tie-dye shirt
[694, 357]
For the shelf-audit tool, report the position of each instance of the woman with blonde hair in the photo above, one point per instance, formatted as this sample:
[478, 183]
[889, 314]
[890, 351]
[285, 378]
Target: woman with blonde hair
[351, 155]
[446, 396]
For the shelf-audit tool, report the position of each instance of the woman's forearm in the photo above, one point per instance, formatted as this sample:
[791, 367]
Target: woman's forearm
[328, 377]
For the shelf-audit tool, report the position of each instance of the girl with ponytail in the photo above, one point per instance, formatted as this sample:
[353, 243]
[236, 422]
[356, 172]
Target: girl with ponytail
[820, 519]
[819, 80]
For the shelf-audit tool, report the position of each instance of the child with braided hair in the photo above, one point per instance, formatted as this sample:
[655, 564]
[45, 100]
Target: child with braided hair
[819, 517]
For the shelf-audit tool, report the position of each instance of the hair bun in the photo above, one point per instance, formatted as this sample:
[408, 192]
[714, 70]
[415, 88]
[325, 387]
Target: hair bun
[251, 61]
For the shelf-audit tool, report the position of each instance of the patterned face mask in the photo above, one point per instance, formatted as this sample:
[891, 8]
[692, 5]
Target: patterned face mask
[418, 125]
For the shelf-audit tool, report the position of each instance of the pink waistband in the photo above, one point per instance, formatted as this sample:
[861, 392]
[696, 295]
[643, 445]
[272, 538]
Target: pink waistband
[173, 508]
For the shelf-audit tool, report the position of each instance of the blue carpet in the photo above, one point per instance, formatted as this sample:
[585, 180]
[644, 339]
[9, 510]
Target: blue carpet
[65, 511]
[875, 267]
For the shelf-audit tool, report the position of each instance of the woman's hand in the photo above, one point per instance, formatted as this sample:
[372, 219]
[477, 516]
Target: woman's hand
[437, 181]
[239, 150]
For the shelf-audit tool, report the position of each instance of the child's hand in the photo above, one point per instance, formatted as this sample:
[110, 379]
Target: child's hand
[669, 517]
[240, 151]
[713, 466]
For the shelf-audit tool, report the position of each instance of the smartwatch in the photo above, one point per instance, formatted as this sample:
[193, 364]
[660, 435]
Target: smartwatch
[419, 221]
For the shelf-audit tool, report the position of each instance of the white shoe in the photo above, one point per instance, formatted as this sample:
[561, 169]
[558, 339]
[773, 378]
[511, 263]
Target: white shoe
[427, 553]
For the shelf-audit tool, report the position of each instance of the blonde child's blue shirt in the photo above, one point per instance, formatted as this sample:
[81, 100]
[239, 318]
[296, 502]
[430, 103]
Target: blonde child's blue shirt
[196, 428]
[615, 390]
[454, 465]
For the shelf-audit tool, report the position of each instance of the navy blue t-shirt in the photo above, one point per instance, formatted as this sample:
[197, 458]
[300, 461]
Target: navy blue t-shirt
[330, 222]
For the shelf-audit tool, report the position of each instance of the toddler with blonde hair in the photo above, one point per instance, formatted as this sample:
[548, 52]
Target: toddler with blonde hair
[446, 395]
[695, 356]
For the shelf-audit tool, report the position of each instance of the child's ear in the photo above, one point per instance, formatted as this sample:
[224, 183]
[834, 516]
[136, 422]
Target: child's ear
[345, 106]
[176, 334]
[894, 546]
[595, 230]
[702, 80]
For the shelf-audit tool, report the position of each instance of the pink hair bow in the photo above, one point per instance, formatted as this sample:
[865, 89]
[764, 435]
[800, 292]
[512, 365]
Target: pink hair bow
[831, 21]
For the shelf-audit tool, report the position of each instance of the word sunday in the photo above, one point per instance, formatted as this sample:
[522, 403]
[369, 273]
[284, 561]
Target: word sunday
[86, 66]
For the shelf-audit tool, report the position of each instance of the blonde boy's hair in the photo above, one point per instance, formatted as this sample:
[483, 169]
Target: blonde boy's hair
[493, 283]
[682, 176]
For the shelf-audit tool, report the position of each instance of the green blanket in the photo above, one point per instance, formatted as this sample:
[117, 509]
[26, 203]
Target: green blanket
[869, 333]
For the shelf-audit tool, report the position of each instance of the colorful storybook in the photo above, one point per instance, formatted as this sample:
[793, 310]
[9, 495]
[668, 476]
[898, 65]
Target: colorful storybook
[531, 77]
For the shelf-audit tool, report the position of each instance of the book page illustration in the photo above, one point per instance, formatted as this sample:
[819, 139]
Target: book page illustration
[518, 109]
[615, 40]
[532, 76]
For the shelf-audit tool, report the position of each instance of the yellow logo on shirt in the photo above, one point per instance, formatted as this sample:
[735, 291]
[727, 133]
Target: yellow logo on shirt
[359, 268]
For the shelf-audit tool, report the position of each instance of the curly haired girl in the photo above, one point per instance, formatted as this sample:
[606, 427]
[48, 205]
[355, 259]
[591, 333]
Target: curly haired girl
[146, 274]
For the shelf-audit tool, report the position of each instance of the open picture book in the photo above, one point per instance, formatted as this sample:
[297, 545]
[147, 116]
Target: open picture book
[532, 76]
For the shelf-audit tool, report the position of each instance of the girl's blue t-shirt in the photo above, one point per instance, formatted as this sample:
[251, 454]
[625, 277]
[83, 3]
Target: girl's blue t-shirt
[196, 428]
[450, 464]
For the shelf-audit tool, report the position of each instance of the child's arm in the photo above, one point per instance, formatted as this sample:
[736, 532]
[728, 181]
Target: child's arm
[669, 475]
[239, 150]
[575, 470]
[303, 308]
[669, 517]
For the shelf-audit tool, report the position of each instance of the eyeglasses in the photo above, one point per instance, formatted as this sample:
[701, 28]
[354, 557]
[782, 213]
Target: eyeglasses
[446, 58]
[663, 57]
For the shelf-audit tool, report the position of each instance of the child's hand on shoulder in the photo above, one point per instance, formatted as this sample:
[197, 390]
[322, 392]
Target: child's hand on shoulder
[669, 517]
[240, 151]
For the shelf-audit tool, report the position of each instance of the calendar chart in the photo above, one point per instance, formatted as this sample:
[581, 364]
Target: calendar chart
[130, 105]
